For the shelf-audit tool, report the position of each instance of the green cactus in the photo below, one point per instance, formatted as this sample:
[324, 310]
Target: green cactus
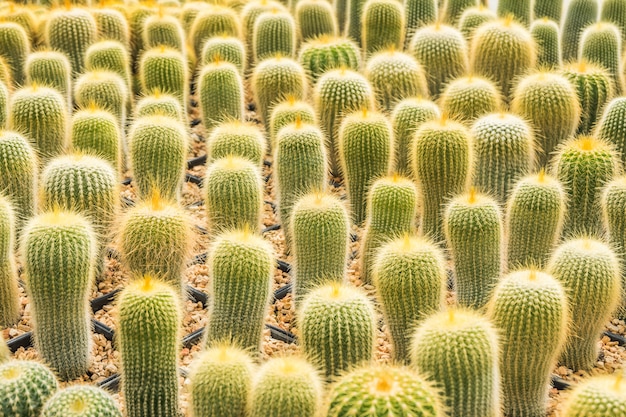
[274, 35]
[579, 15]
[325, 53]
[50, 69]
[502, 50]
[189, 12]
[58, 252]
[468, 98]
[383, 26]
[453, 9]
[166, 30]
[27, 19]
[228, 49]
[589, 271]
[315, 18]
[97, 132]
[520, 10]
[137, 16]
[383, 390]
[458, 350]
[71, 31]
[418, 13]
[147, 336]
[584, 165]
[275, 79]
[5, 353]
[395, 76]
[473, 18]
[157, 104]
[601, 44]
[81, 401]
[286, 386]
[5, 72]
[337, 328]
[157, 148]
[241, 266]
[547, 38]
[235, 138]
[249, 14]
[598, 396]
[338, 93]
[550, 9]
[350, 12]
[9, 294]
[613, 203]
[4, 106]
[234, 194]
[530, 311]
[25, 386]
[509, 137]
[109, 56]
[441, 158]
[221, 382]
[609, 127]
[106, 90]
[214, 20]
[288, 112]
[548, 101]
[407, 117]
[14, 48]
[614, 11]
[165, 70]
[442, 52]
[111, 25]
[221, 93]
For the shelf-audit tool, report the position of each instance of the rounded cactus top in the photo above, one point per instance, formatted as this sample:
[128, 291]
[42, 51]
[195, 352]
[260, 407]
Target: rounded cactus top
[337, 293]
[225, 354]
[81, 401]
[286, 366]
[318, 201]
[584, 247]
[598, 396]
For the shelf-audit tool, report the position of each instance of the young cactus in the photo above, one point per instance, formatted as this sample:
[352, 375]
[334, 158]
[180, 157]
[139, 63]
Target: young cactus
[106, 90]
[81, 401]
[473, 18]
[589, 271]
[598, 396]
[453, 9]
[221, 93]
[9, 293]
[315, 18]
[249, 14]
[166, 30]
[286, 386]
[50, 69]
[458, 350]
[520, 10]
[286, 113]
[610, 127]
[613, 203]
[157, 104]
[221, 382]
[579, 15]
[109, 56]
[326, 53]
[111, 24]
[274, 35]
[212, 21]
[614, 11]
[468, 98]
[383, 26]
[241, 266]
[58, 252]
[601, 44]
[25, 386]
[550, 9]
[226, 48]
[337, 328]
[418, 13]
[147, 336]
[530, 311]
[71, 32]
[235, 138]
[410, 277]
[14, 48]
[165, 70]
[546, 35]
[97, 132]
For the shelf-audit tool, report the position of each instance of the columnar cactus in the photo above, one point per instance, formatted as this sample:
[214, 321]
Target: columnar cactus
[351, 12]
[418, 13]
[226, 48]
[111, 24]
[106, 90]
[530, 311]
[326, 53]
[158, 156]
[9, 295]
[602, 44]
[613, 202]
[337, 328]
[579, 15]
[551, 9]
[286, 386]
[165, 70]
[320, 230]
[315, 18]
[614, 11]
[241, 266]
[589, 271]
[598, 396]
[25, 386]
[235, 138]
[610, 127]
[520, 10]
[97, 132]
[166, 30]
[109, 56]
[158, 104]
[584, 165]
[14, 48]
[71, 32]
[189, 11]
[512, 139]
[221, 381]
[473, 18]
[274, 35]
[214, 20]
[50, 69]
[546, 35]
[221, 93]
[58, 252]
[27, 19]
[81, 401]
[249, 14]
[410, 278]
[453, 9]
[234, 194]
[147, 337]
[468, 98]
[287, 112]
[441, 158]
[383, 25]
[137, 16]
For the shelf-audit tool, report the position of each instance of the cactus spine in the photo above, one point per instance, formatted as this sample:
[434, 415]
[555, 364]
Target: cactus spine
[221, 93]
[546, 36]
[236, 139]
[579, 15]
[14, 48]
[601, 44]
[72, 32]
[613, 202]
[383, 25]
[315, 18]
[467, 98]
[25, 386]
[274, 35]
[598, 396]
[326, 53]
[81, 401]
[164, 70]
[9, 295]
[520, 10]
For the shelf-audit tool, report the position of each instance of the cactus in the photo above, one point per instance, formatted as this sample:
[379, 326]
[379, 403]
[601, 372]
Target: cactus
[25, 386]
[589, 271]
[249, 14]
[391, 212]
[286, 386]
[598, 396]
[550, 9]
[383, 390]
[315, 18]
[338, 93]
[72, 31]
[594, 88]
[5, 72]
[106, 90]
[9, 294]
[337, 328]
[221, 381]
[189, 12]
[58, 251]
[50, 69]
[14, 48]
[549, 102]
[165, 70]
[136, 18]
[509, 137]
[235, 138]
[502, 50]
[407, 117]
[458, 350]
[147, 338]
[613, 203]
[530, 311]
[221, 93]
[214, 20]
[383, 25]
[166, 30]
[27, 19]
[109, 56]
[351, 13]
[609, 127]
[158, 155]
[40, 114]
[111, 25]
[325, 53]
[241, 266]
[228, 49]
[5, 353]
[418, 13]
[81, 401]
[275, 79]
[395, 76]
[158, 104]
[584, 165]
[234, 194]
[441, 158]
[453, 9]
[288, 112]
[579, 15]
[520, 10]
[473, 18]
[614, 11]
[4, 106]
[546, 36]
[601, 44]
[274, 35]
[468, 98]
[300, 166]
[97, 132]
[442, 52]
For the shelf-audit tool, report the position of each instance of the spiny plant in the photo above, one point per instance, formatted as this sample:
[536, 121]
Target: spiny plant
[97, 132]
[81, 401]
[601, 44]
[383, 25]
[598, 396]
[468, 98]
[28, 19]
[111, 24]
[158, 104]
[71, 31]
[453, 9]
[189, 11]
[109, 56]
[5, 73]
[137, 16]
[50, 69]
[550, 9]
[5, 353]
[418, 13]
[14, 48]
[9, 294]
[410, 278]
[287, 112]
[25, 386]
[325, 53]
[166, 70]
[274, 34]
[236, 138]
[350, 15]
[546, 35]
[473, 18]
[212, 21]
[520, 10]
[315, 18]
[614, 11]
[227, 48]
[613, 203]
[579, 15]
[162, 29]
[147, 336]
[106, 90]
[249, 14]
[610, 127]
[4, 105]
[58, 251]
[221, 93]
